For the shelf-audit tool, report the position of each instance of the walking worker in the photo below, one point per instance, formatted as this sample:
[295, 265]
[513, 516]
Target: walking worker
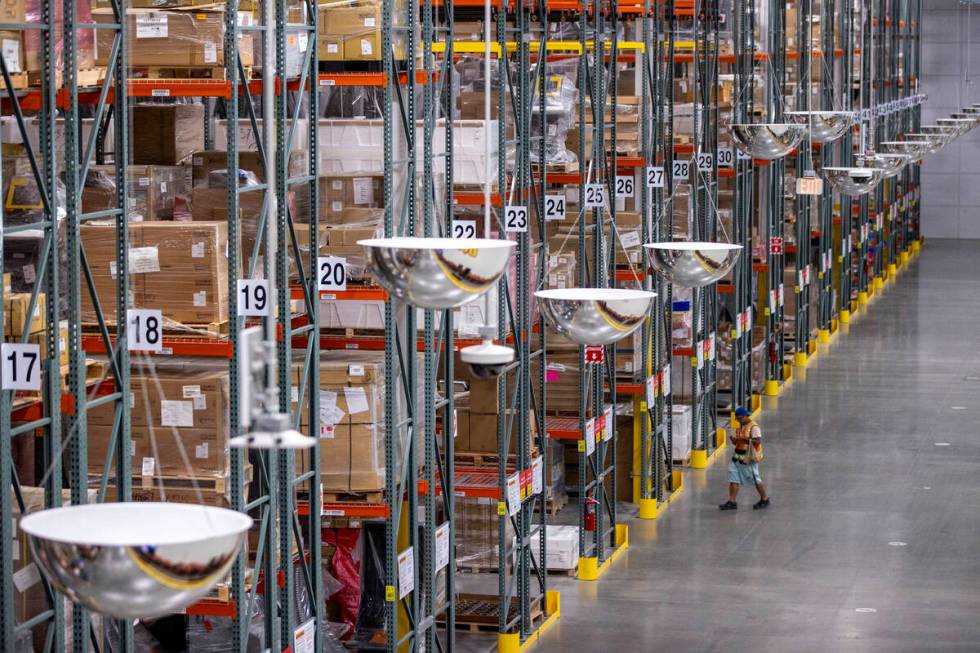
[744, 467]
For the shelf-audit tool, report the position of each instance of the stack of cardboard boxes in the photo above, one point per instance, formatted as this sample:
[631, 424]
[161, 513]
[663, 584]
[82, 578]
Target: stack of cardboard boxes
[351, 422]
[180, 268]
[353, 33]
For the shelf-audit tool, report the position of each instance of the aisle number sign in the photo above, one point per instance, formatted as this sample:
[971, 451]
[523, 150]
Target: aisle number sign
[515, 219]
[554, 207]
[655, 177]
[624, 186]
[21, 366]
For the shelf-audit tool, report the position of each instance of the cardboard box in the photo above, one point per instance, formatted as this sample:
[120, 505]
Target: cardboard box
[16, 305]
[188, 400]
[163, 39]
[192, 284]
[352, 458]
[207, 161]
[13, 11]
[40, 338]
[12, 47]
[179, 267]
[359, 29]
[167, 134]
[351, 189]
[153, 191]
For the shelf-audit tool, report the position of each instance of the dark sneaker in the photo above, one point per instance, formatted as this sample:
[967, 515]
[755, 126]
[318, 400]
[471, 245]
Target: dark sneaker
[728, 505]
[763, 503]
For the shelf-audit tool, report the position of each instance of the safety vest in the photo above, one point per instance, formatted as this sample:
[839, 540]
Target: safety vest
[744, 433]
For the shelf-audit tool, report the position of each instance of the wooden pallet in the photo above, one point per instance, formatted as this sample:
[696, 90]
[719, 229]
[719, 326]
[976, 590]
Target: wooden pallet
[486, 459]
[222, 591]
[554, 506]
[207, 330]
[352, 497]
[94, 371]
[182, 72]
[20, 81]
[480, 612]
[683, 462]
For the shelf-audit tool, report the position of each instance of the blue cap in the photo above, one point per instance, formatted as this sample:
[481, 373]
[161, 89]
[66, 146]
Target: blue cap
[742, 411]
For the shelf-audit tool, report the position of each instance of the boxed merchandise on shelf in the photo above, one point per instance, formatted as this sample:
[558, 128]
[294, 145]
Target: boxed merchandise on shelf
[163, 39]
[477, 534]
[154, 192]
[562, 549]
[179, 424]
[180, 268]
[351, 421]
[353, 33]
[16, 307]
[168, 134]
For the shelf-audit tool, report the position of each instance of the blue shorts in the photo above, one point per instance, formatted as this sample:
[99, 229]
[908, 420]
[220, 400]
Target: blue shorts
[743, 474]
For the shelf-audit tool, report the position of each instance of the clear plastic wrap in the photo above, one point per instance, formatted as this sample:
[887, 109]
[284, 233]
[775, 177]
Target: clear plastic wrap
[22, 202]
[32, 38]
[173, 39]
[154, 192]
[477, 534]
[180, 268]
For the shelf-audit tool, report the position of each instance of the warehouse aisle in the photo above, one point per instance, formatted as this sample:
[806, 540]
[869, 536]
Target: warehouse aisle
[873, 539]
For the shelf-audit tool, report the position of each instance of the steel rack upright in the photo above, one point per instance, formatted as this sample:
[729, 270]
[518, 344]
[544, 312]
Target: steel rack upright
[774, 200]
[804, 205]
[829, 100]
[743, 210]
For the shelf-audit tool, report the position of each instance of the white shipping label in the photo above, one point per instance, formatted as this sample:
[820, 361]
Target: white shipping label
[201, 451]
[200, 298]
[356, 400]
[30, 274]
[304, 637]
[333, 48]
[304, 41]
[554, 207]
[144, 259]
[176, 412]
[631, 239]
[355, 370]
[369, 22]
[200, 402]
[330, 413]
[537, 476]
[148, 467]
[151, 26]
[26, 578]
[144, 182]
[363, 190]
[21, 366]
[513, 494]
[406, 572]
[11, 55]
[197, 250]
[210, 53]
[366, 48]
[189, 391]
[442, 547]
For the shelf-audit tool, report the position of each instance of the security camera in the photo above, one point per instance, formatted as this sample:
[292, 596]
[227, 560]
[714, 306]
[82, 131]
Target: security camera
[487, 360]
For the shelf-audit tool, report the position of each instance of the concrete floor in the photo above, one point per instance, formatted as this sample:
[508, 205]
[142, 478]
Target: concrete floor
[872, 542]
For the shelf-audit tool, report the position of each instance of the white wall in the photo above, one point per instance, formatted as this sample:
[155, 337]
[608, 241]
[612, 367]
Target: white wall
[951, 178]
